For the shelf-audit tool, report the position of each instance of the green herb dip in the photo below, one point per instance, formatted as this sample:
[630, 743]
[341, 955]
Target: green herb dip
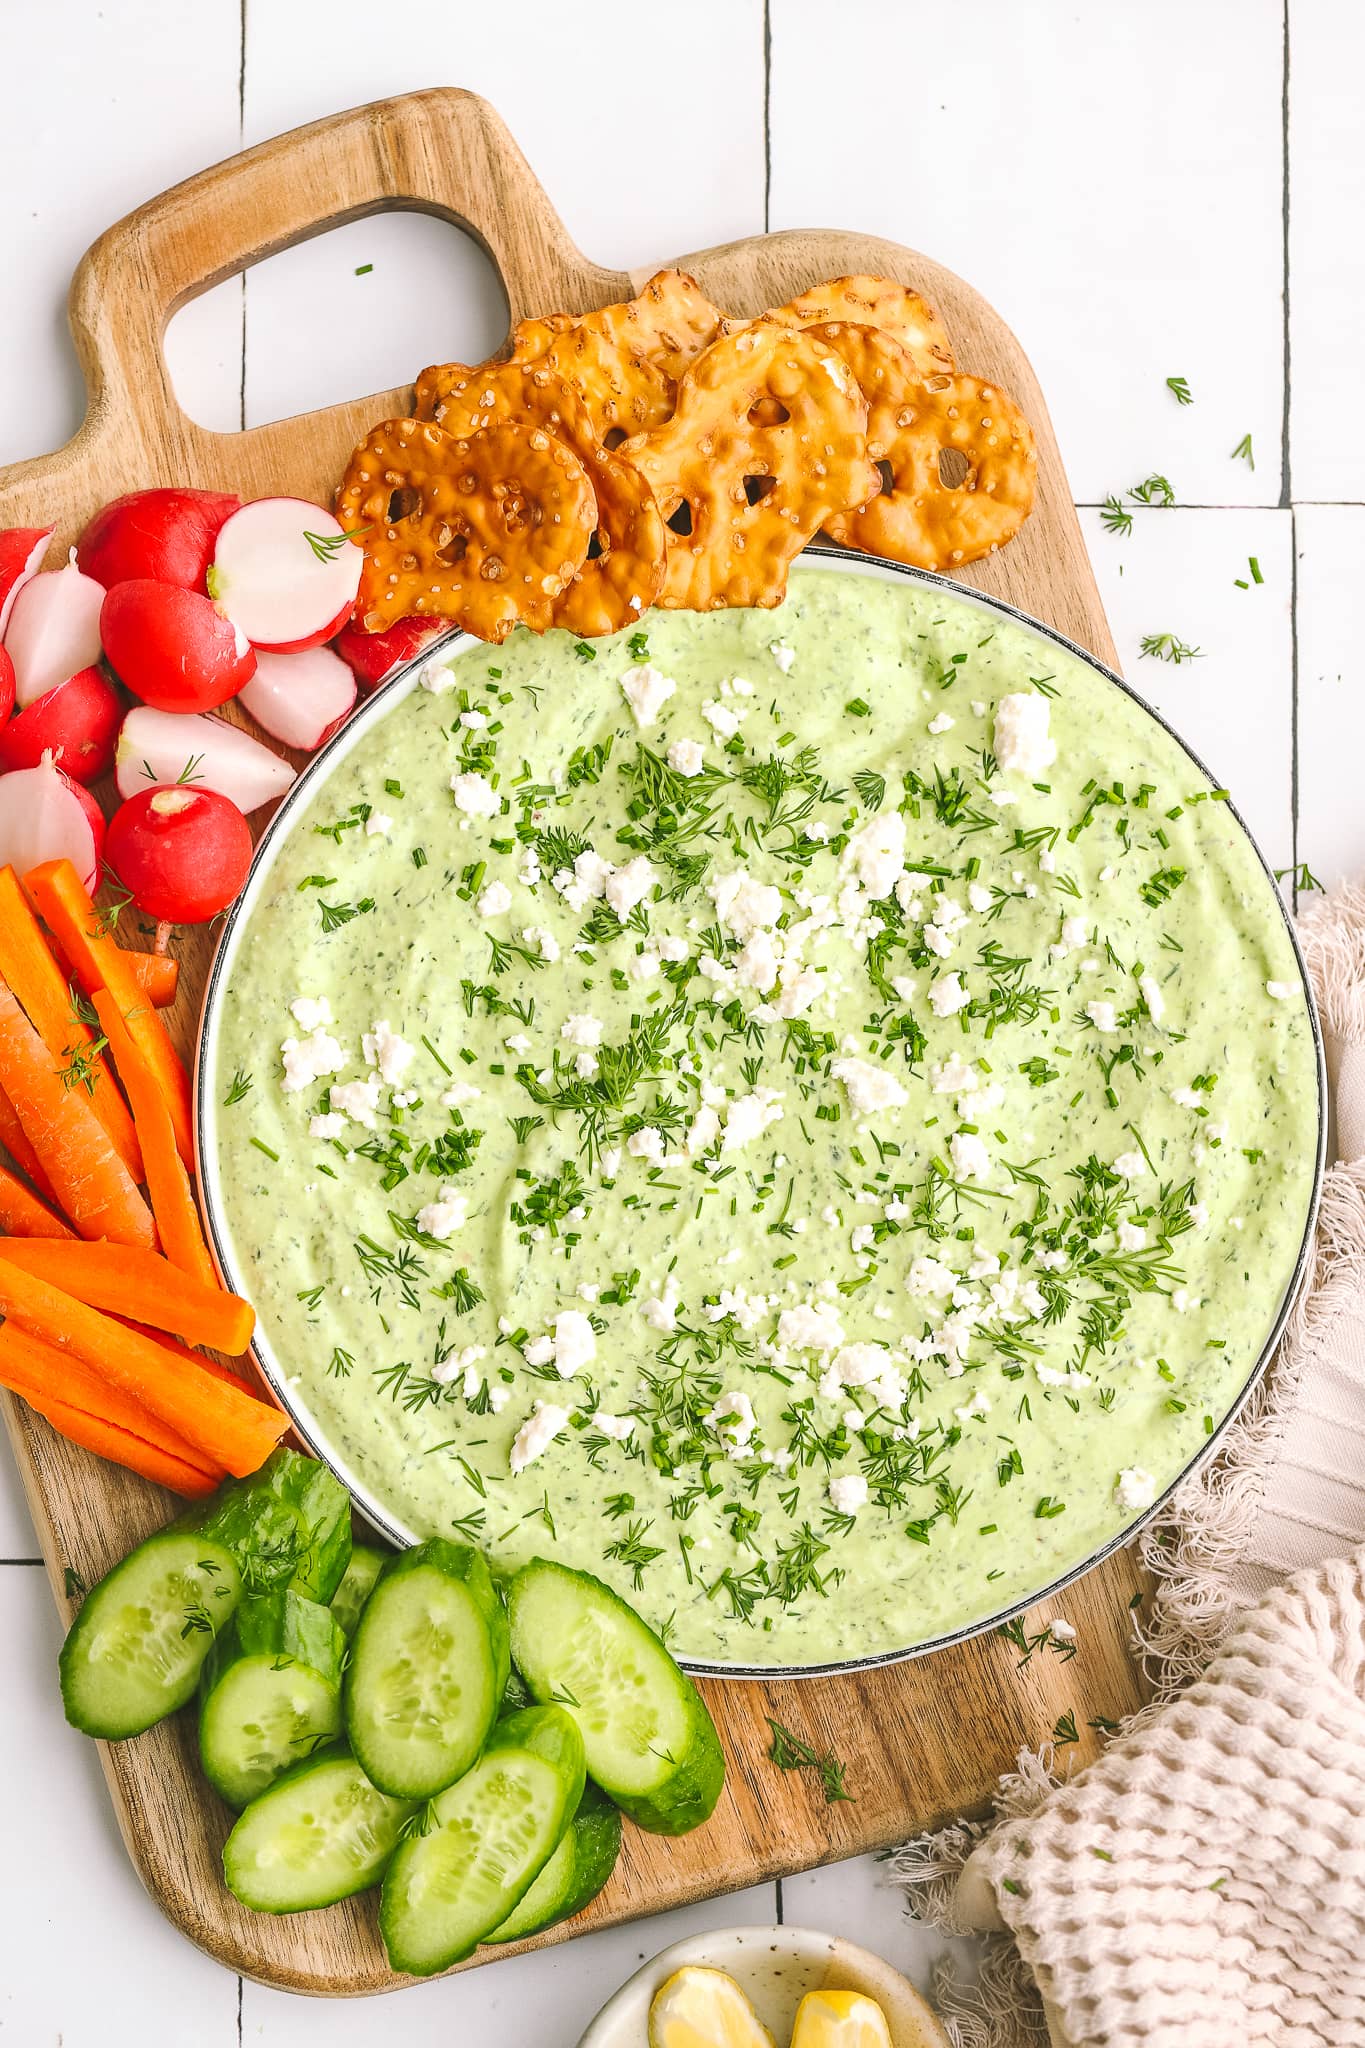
[880, 1147]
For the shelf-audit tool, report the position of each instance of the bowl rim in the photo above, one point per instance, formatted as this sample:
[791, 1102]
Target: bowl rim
[394, 690]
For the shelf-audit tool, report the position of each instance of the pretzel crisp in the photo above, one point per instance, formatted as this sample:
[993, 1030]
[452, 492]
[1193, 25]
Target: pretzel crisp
[488, 530]
[876, 302]
[622, 575]
[531, 338]
[754, 493]
[918, 517]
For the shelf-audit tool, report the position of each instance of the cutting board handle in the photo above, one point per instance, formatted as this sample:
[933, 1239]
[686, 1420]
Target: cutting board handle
[444, 152]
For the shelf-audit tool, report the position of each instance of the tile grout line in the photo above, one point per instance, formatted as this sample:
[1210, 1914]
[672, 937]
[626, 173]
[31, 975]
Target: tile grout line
[767, 105]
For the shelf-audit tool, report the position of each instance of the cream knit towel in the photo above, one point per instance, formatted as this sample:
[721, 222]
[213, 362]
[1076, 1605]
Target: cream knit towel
[1203, 1884]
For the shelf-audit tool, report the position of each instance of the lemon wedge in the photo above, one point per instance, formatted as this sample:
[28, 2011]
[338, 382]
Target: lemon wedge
[840, 2019]
[699, 2008]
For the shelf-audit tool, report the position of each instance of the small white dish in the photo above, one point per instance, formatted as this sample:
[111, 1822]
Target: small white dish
[776, 1966]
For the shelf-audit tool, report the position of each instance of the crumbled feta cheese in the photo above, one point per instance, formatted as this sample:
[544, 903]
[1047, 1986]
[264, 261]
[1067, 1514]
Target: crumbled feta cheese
[723, 722]
[473, 721]
[757, 965]
[1103, 1016]
[536, 1434]
[1281, 990]
[869, 1088]
[307, 1060]
[702, 1132]
[810, 1326]
[1187, 1098]
[979, 897]
[1022, 744]
[1047, 861]
[438, 677]
[1134, 1489]
[661, 1310]
[310, 1013]
[617, 1427]
[1150, 991]
[943, 723]
[1130, 1165]
[876, 853]
[358, 1100]
[847, 1493]
[733, 1420]
[475, 795]
[582, 1030]
[971, 1160]
[495, 900]
[443, 1217]
[929, 1276]
[544, 942]
[954, 1076]
[383, 1048]
[518, 1042]
[459, 1095]
[748, 1116]
[905, 986]
[1132, 1237]
[575, 1342]
[331, 1126]
[947, 995]
[647, 1143]
[978, 1405]
[745, 906]
[378, 825]
[1064, 1631]
[1198, 1213]
[686, 757]
[783, 655]
[627, 886]
[646, 691]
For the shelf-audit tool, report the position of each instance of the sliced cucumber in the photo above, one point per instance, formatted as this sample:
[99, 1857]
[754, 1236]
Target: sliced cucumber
[575, 1874]
[490, 1835]
[319, 1834]
[357, 1585]
[428, 1667]
[269, 1693]
[288, 1525]
[134, 1651]
[516, 1694]
[649, 1740]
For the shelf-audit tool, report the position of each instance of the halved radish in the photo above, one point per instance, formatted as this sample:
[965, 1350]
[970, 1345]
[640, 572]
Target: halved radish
[21, 550]
[300, 698]
[184, 853]
[172, 647]
[373, 655]
[46, 816]
[76, 722]
[286, 572]
[199, 753]
[6, 686]
[165, 534]
[54, 630]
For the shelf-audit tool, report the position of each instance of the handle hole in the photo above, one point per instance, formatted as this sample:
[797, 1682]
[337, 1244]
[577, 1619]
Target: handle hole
[358, 309]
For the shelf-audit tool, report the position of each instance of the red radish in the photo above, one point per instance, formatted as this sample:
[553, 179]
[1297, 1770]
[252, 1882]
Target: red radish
[46, 816]
[285, 571]
[172, 647]
[300, 698]
[6, 686]
[184, 853]
[54, 630]
[200, 753]
[77, 723]
[21, 550]
[374, 655]
[165, 534]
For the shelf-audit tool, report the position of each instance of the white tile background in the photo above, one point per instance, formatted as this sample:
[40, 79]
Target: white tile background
[1147, 189]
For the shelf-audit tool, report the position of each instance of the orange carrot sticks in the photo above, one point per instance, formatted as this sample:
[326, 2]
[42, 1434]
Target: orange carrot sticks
[39, 1374]
[168, 1184]
[140, 1285]
[233, 1432]
[120, 1447]
[198, 1358]
[91, 1184]
[20, 1151]
[22, 1214]
[37, 983]
[156, 974]
[98, 962]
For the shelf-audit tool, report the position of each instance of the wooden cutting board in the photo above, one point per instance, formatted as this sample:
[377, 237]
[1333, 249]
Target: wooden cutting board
[921, 1741]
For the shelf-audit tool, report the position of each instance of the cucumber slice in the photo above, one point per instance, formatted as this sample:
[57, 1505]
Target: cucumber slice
[269, 1693]
[134, 1651]
[574, 1875]
[516, 1694]
[490, 1836]
[651, 1745]
[319, 1834]
[288, 1525]
[427, 1671]
[357, 1585]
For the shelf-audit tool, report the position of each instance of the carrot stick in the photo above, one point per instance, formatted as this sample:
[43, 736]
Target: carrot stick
[39, 1374]
[22, 1214]
[17, 1145]
[142, 1285]
[231, 1431]
[36, 981]
[120, 1447]
[92, 1185]
[205, 1364]
[69, 914]
[168, 1184]
[157, 974]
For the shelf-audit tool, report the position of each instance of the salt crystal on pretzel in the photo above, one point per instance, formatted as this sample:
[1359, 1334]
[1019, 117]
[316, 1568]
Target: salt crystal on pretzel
[622, 578]
[486, 530]
[876, 302]
[919, 517]
[755, 489]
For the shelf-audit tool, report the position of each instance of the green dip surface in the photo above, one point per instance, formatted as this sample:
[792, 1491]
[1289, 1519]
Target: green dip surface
[747, 1110]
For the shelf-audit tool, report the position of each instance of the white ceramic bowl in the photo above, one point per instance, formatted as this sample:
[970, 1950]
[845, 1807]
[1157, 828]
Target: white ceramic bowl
[776, 1966]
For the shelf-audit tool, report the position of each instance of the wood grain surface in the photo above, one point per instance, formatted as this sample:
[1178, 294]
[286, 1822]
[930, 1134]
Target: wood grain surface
[922, 1740]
